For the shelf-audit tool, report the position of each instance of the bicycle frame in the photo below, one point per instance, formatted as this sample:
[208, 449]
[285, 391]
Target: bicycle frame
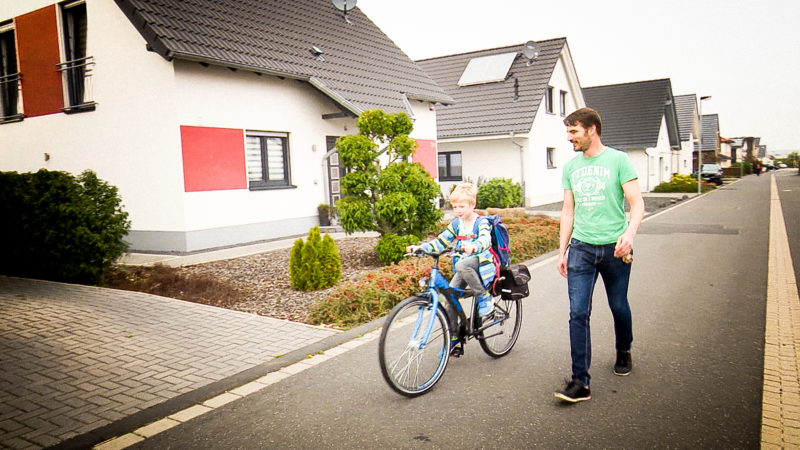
[437, 285]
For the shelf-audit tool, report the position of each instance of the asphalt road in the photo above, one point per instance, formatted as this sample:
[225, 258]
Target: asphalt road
[698, 296]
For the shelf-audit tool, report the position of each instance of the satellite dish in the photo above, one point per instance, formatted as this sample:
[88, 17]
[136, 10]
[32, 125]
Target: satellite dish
[344, 6]
[531, 51]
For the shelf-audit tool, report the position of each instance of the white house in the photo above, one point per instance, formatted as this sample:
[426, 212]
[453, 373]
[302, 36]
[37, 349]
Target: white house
[640, 119]
[689, 125]
[214, 119]
[507, 119]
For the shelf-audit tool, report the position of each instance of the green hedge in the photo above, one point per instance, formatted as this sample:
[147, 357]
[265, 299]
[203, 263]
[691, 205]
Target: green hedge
[56, 226]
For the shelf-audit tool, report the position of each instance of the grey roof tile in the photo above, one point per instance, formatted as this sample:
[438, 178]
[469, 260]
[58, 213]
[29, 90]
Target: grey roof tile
[710, 137]
[490, 109]
[632, 112]
[362, 65]
[686, 107]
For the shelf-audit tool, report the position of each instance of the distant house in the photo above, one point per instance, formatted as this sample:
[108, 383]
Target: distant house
[689, 126]
[710, 137]
[507, 119]
[725, 152]
[640, 118]
[216, 120]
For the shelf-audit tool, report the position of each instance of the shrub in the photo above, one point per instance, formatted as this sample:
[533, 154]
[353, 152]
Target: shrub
[391, 247]
[56, 226]
[314, 264]
[359, 301]
[499, 193]
[297, 278]
[330, 263]
[682, 183]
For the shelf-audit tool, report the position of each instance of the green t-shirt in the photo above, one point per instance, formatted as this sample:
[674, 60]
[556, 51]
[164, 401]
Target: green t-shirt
[596, 185]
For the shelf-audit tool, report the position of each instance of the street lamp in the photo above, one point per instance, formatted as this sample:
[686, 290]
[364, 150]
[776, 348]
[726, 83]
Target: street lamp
[700, 147]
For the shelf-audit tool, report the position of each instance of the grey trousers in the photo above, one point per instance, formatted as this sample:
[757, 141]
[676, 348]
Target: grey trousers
[467, 273]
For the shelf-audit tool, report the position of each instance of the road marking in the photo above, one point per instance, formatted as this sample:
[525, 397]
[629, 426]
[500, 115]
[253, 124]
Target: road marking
[780, 411]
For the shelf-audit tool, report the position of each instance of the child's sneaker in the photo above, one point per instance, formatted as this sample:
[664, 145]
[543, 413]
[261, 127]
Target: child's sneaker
[485, 304]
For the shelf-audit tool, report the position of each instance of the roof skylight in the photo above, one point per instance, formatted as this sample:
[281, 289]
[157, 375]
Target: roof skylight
[487, 69]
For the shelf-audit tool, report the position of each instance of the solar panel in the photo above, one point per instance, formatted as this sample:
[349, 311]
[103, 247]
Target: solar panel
[487, 69]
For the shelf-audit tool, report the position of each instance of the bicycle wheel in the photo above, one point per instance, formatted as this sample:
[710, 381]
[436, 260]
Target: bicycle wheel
[412, 359]
[502, 332]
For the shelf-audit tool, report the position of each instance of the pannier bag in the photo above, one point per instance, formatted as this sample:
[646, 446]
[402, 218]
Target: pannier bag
[513, 284]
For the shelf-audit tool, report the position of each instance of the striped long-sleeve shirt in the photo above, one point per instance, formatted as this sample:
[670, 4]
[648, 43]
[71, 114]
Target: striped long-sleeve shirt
[479, 236]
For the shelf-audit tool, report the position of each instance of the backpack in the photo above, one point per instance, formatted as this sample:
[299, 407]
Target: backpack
[500, 243]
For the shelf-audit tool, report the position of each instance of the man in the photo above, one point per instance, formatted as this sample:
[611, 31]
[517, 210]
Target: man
[600, 242]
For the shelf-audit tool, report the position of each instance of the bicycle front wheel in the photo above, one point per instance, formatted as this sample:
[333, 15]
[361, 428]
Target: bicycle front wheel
[414, 346]
[500, 335]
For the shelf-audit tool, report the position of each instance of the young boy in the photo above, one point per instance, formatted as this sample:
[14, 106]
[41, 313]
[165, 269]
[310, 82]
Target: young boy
[472, 234]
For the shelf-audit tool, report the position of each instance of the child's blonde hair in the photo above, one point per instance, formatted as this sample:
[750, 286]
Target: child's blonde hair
[464, 191]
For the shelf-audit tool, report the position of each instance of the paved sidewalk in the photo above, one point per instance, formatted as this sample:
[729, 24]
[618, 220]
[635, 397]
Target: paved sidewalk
[74, 359]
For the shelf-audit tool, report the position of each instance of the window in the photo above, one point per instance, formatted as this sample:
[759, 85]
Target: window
[267, 156]
[551, 158]
[77, 67]
[9, 76]
[450, 166]
[563, 103]
[548, 99]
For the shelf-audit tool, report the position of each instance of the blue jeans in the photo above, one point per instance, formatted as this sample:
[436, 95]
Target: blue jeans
[584, 263]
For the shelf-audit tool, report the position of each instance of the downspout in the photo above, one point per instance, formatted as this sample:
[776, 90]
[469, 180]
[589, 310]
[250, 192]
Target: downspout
[521, 164]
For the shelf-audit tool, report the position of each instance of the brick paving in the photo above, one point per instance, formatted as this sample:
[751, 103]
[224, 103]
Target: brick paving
[75, 358]
[780, 423]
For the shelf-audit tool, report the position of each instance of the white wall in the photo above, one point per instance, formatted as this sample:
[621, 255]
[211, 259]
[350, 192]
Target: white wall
[129, 140]
[218, 97]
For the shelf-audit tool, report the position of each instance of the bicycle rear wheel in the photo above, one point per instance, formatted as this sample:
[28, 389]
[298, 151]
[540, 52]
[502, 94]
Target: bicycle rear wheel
[413, 360]
[502, 332]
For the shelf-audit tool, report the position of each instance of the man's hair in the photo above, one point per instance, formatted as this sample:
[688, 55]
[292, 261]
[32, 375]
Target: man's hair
[586, 117]
[464, 191]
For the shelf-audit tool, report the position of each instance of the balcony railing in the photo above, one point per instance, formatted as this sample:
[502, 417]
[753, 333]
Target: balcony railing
[10, 106]
[78, 81]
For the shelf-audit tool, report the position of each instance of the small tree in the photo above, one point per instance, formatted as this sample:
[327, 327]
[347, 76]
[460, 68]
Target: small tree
[314, 264]
[383, 191]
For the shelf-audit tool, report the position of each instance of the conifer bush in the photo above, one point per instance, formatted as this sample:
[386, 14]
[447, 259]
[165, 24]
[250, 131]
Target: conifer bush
[314, 264]
[60, 227]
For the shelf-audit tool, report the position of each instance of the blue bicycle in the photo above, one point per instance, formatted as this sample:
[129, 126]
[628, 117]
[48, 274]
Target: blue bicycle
[415, 343]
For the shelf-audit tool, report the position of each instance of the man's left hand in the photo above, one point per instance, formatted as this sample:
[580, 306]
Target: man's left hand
[624, 246]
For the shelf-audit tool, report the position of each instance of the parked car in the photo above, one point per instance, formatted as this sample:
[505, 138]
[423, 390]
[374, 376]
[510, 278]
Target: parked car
[711, 173]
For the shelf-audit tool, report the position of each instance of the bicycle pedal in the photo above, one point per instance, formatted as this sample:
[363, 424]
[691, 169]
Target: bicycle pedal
[456, 351]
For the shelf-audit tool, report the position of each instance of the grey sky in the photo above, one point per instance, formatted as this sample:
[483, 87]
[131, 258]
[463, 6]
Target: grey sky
[745, 54]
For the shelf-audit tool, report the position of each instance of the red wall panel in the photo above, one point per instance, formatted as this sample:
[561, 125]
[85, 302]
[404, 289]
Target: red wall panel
[426, 155]
[37, 44]
[213, 159]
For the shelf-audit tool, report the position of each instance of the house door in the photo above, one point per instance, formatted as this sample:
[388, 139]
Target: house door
[335, 172]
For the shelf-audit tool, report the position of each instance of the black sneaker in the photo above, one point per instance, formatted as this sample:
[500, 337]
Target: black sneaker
[574, 392]
[624, 365]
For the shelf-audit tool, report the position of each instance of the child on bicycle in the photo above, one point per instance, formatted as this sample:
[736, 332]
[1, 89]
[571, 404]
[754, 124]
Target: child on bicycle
[472, 234]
